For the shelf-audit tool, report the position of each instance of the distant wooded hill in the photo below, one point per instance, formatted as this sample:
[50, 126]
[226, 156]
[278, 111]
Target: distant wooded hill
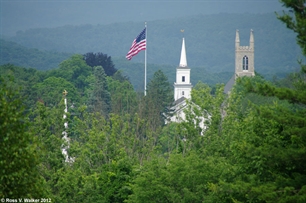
[209, 44]
[19, 55]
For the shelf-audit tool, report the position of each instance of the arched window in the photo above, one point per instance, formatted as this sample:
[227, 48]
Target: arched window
[245, 63]
[183, 93]
[183, 78]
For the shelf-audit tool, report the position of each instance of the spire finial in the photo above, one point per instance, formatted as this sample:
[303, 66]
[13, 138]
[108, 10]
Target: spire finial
[65, 93]
[183, 60]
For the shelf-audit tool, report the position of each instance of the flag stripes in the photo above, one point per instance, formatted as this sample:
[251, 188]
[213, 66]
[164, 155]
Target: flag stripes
[138, 45]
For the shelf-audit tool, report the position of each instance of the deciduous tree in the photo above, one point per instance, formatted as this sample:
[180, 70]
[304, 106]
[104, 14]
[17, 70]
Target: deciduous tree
[100, 59]
[19, 162]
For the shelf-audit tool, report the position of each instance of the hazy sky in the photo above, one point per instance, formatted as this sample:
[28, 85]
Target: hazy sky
[18, 15]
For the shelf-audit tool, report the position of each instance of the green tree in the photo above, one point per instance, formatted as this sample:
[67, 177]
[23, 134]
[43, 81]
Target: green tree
[26, 78]
[262, 141]
[100, 99]
[100, 59]
[179, 179]
[203, 116]
[123, 96]
[50, 91]
[265, 132]
[295, 20]
[19, 161]
[158, 99]
[169, 140]
[104, 155]
[48, 126]
[75, 71]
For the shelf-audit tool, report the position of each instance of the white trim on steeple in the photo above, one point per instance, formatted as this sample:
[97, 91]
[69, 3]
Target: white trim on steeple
[183, 60]
[182, 86]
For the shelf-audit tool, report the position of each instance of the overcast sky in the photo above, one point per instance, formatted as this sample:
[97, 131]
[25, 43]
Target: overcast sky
[24, 14]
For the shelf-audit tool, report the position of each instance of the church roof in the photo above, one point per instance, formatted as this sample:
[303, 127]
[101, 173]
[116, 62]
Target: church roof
[229, 85]
[178, 101]
[178, 105]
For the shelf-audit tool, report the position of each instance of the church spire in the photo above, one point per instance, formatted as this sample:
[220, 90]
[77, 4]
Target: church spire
[182, 86]
[183, 60]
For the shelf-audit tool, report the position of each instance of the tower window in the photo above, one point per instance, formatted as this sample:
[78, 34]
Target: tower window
[245, 63]
[183, 78]
[183, 93]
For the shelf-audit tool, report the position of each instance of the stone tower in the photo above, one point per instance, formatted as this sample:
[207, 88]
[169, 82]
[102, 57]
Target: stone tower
[244, 62]
[182, 86]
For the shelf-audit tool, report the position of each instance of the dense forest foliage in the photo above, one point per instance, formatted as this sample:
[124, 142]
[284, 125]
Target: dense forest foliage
[252, 149]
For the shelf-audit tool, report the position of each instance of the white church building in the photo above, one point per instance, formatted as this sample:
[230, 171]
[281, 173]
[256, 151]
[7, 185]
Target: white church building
[182, 91]
[244, 66]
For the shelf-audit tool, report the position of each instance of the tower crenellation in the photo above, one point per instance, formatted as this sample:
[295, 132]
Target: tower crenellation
[244, 57]
[244, 61]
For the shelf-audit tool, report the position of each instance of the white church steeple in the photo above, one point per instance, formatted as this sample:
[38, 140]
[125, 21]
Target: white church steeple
[182, 86]
[183, 60]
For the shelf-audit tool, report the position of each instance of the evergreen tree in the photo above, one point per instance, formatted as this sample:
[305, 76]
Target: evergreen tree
[296, 20]
[123, 96]
[100, 99]
[159, 98]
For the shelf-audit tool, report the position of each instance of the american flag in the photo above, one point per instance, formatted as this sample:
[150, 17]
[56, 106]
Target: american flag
[138, 45]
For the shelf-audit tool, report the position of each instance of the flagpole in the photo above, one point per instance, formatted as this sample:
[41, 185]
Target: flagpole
[145, 80]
